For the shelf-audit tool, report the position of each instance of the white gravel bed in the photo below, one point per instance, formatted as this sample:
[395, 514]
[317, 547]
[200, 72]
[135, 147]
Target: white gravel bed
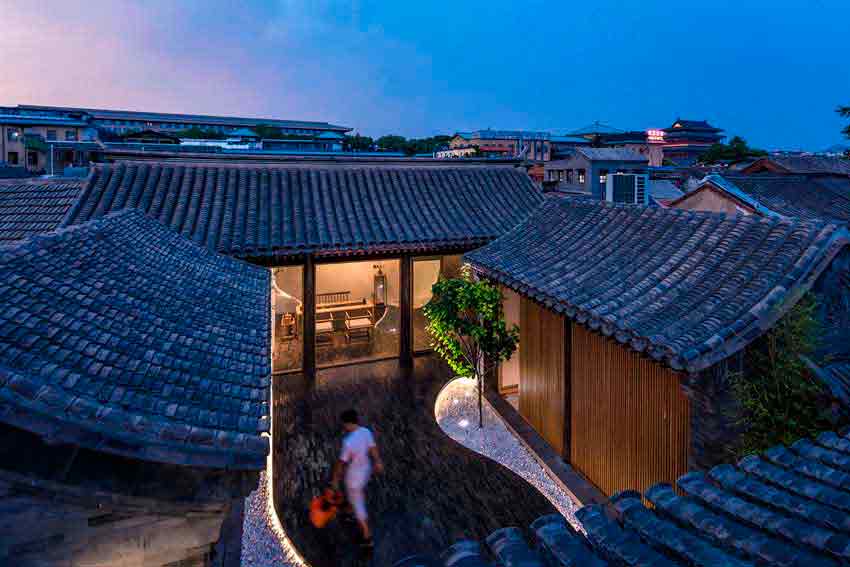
[457, 414]
[263, 542]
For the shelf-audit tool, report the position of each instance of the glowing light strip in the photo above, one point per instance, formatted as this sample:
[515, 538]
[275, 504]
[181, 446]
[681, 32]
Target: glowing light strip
[271, 514]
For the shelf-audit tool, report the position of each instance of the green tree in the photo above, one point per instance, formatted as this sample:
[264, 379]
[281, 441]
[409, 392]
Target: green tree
[358, 143]
[736, 150]
[468, 330]
[196, 133]
[781, 400]
[267, 132]
[392, 143]
[844, 111]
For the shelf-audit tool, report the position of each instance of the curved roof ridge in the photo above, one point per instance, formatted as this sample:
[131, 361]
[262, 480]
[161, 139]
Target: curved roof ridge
[525, 257]
[122, 336]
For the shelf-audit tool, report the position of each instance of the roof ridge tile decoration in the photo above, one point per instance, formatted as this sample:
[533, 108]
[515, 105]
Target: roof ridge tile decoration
[687, 288]
[28, 208]
[786, 507]
[280, 211]
[121, 336]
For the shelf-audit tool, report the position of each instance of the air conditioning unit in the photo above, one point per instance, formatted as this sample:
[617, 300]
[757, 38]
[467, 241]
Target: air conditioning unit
[631, 188]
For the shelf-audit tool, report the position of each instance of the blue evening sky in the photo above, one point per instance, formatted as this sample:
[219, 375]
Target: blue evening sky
[771, 71]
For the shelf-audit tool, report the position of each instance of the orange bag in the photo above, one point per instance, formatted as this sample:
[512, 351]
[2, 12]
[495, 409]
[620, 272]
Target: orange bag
[324, 507]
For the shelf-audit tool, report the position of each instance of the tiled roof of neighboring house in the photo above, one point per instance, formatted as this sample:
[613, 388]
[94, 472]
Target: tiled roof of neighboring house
[789, 506]
[664, 191]
[253, 211]
[790, 195]
[802, 164]
[33, 208]
[120, 335]
[688, 288]
[610, 154]
[110, 114]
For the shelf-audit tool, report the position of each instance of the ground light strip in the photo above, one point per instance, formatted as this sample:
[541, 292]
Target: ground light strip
[274, 521]
[456, 413]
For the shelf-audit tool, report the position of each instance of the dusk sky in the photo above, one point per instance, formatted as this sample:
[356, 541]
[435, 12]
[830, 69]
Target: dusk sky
[771, 71]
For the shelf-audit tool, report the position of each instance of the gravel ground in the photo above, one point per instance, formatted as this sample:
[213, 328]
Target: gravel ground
[263, 541]
[457, 415]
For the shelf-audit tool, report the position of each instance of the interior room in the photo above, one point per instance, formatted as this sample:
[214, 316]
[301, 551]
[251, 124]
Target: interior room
[358, 313]
[426, 272]
[288, 324]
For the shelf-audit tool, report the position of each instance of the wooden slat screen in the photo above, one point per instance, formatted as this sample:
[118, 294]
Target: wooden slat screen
[630, 420]
[543, 385]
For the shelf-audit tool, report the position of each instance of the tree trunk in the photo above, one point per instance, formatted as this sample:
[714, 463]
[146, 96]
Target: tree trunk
[481, 402]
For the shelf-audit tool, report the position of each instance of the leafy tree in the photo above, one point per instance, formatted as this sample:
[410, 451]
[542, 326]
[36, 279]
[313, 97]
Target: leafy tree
[358, 143]
[267, 132]
[468, 330]
[845, 112]
[392, 143]
[736, 150]
[781, 400]
[196, 133]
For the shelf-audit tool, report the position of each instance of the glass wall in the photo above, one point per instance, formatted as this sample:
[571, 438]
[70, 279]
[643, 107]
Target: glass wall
[426, 272]
[288, 310]
[358, 313]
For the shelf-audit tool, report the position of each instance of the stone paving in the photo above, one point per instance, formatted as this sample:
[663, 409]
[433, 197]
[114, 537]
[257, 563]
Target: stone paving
[457, 414]
[434, 490]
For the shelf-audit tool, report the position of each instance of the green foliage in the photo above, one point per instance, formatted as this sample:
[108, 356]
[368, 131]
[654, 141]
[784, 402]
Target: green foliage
[736, 150]
[196, 133]
[467, 328]
[266, 132]
[412, 146]
[845, 112]
[781, 400]
[358, 143]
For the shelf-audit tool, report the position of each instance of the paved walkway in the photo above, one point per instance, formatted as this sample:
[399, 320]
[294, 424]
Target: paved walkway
[434, 491]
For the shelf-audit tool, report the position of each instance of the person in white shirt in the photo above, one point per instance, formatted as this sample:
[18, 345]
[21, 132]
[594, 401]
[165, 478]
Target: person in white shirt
[358, 459]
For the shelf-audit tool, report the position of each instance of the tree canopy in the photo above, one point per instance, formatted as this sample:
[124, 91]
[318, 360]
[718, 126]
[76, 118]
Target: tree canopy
[736, 150]
[411, 146]
[468, 330]
[196, 133]
[845, 112]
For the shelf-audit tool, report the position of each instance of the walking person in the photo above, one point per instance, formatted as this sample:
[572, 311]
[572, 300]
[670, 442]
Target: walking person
[357, 460]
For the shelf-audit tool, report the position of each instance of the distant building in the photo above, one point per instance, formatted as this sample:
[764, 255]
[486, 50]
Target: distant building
[45, 141]
[587, 169]
[50, 138]
[533, 146]
[685, 140]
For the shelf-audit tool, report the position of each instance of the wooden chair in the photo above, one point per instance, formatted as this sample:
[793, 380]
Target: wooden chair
[324, 328]
[358, 324]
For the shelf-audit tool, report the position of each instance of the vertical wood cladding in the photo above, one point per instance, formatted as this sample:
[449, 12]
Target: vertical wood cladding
[543, 384]
[630, 419]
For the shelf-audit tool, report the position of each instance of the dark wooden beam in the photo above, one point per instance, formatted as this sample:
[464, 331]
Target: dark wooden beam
[406, 297]
[568, 400]
[309, 366]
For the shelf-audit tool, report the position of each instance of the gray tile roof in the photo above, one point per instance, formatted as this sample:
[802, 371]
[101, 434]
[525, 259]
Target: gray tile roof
[687, 288]
[788, 507]
[793, 195]
[33, 208]
[610, 154]
[200, 119]
[254, 211]
[664, 190]
[121, 336]
[806, 164]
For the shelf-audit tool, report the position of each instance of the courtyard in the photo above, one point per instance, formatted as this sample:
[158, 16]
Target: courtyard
[434, 491]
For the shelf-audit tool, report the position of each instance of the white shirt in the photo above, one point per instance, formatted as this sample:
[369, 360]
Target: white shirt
[355, 453]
